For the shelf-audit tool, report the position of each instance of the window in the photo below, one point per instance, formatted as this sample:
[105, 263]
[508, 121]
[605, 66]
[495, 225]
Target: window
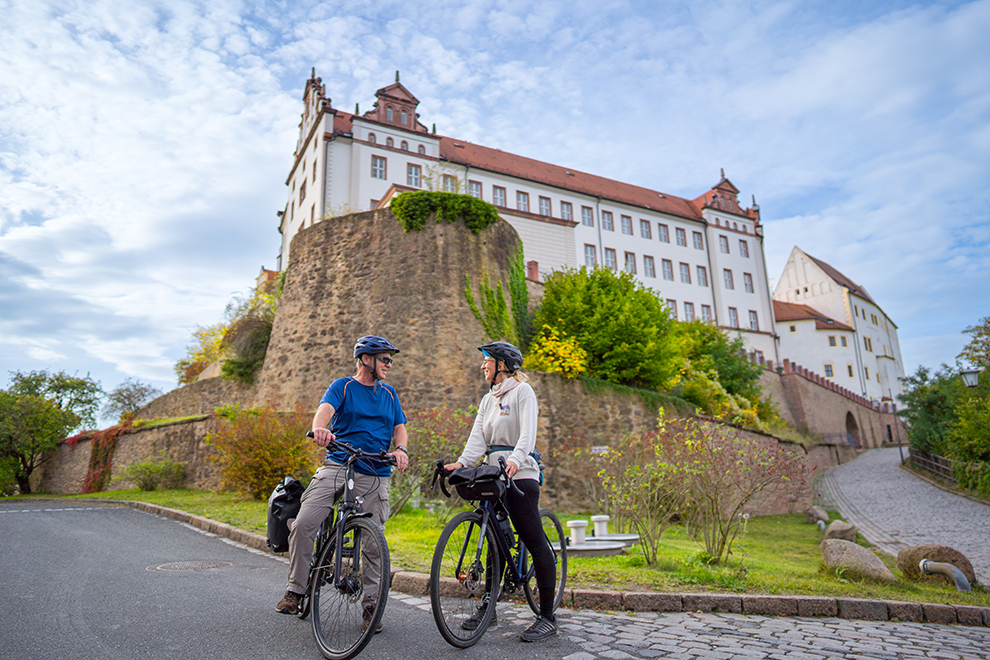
[748, 282]
[378, 168]
[831, 341]
[681, 237]
[607, 221]
[371, 138]
[743, 248]
[662, 233]
[702, 276]
[404, 145]
[685, 273]
[672, 306]
[413, 175]
[474, 189]
[626, 224]
[522, 201]
[723, 244]
[644, 229]
[648, 267]
[754, 320]
[792, 328]
[873, 317]
[631, 262]
[878, 376]
[733, 317]
[610, 258]
[699, 241]
[498, 196]
[544, 206]
[388, 113]
[405, 116]
[587, 216]
[314, 171]
[849, 368]
[421, 150]
[302, 191]
[566, 210]
[590, 258]
[828, 371]
[706, 313]
[312, 213]
[389, 142]
[866, 370]
[868, 343]
[688, 311]
[727, 275]
[449, 183]
[668, 270]
[843, 341]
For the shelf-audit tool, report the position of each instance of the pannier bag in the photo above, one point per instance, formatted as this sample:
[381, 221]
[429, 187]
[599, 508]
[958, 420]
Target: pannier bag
[477, 483]
[283, 505]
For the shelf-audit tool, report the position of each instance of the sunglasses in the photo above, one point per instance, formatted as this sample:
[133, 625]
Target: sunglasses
[384, 360]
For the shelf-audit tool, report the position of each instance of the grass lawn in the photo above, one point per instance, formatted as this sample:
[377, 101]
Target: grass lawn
[775, 555]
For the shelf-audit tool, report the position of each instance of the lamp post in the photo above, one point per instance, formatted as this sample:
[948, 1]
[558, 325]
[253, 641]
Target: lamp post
[897, 429]
[971, 377]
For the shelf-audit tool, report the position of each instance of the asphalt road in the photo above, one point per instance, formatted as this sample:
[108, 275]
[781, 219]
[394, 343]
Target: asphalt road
[88, 581]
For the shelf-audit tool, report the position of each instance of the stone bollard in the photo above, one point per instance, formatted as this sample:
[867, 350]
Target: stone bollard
[577, 531]
[601, 525]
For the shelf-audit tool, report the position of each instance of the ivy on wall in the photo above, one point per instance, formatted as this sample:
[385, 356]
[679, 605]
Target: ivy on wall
[519, 294]
[494, 313]
[413, 209]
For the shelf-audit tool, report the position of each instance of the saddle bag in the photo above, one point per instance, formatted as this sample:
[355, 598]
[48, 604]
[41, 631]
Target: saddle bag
[283, 506]
[477, 483]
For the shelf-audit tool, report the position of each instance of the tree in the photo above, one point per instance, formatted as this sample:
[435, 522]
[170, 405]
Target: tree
[977, 351]
[80, 396]
[623, 326]
[930, 400]
[204, 351]
[127, 397]
[711, 350]
[31, 427]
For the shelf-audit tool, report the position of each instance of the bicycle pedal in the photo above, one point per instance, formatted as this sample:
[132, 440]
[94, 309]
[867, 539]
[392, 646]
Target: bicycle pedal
[347, 551]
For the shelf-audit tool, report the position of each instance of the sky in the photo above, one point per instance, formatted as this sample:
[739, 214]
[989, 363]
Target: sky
[144, 146]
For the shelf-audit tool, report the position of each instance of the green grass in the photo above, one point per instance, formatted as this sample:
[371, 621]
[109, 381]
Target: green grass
[775, 555]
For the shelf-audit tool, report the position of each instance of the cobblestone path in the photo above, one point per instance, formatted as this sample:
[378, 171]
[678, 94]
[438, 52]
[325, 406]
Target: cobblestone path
[894, 509]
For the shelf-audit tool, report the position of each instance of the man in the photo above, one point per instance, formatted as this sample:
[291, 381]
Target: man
[363, 412]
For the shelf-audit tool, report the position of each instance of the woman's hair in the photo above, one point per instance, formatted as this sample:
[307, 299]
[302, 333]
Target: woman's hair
[521, 377]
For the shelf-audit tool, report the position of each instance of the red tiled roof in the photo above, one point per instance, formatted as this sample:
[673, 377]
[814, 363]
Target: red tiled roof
[842, 279]
[785, 311]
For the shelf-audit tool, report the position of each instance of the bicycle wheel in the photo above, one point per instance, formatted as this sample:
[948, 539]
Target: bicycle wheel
[463, 576]
[558, 544]
[347, 608]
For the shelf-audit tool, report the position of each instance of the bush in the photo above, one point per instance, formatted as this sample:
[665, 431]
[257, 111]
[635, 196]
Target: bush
[436, 433]
[8, 476]
[258, 447]
[154, 474]
[556, 354]
[412, 209]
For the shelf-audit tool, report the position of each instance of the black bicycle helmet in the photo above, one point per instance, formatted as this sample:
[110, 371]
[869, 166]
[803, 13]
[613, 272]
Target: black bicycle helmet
[373, 344]
[505, 352]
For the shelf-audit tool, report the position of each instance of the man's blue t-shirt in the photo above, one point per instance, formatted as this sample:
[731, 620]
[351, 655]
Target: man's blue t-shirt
[364, 417]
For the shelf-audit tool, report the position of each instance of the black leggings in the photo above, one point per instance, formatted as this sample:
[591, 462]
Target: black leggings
[524, 511]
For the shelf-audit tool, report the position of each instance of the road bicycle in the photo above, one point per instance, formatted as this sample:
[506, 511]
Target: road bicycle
[463, 575]
[346, 595]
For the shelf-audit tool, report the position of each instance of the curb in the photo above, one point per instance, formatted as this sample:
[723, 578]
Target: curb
[418, 584]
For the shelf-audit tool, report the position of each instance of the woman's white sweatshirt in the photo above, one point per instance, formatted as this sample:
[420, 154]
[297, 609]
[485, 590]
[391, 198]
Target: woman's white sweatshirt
[509, 420]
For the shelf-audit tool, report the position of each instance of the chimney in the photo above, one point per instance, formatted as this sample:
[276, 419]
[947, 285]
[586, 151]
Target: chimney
[533, 271]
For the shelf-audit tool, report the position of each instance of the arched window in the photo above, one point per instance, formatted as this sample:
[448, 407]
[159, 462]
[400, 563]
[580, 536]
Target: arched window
[388, 113]
[422, 150]
[405, 116]
[717, 223]
[404, 146]
[389, 142]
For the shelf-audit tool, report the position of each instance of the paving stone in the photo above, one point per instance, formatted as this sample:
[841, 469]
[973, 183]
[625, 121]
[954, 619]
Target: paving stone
[616, 655]
[858, 608]
[599, 600]
[711, 603]
[769, 605]
[580, 655]
[936, 613]
[817, 606]
[969, 615]
[905, 611]
[652, 602]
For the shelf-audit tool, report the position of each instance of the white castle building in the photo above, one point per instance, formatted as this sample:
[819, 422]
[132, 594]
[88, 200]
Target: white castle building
[704, 256]
[831, 325]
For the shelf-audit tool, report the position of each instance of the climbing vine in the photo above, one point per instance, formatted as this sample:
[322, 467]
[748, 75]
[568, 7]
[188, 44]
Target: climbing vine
[494, 313]
[519, 294]
[414, 208]
[102, 446]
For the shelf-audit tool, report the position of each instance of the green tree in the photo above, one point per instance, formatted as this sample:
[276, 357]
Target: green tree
[977, 351]
[31, 427]
[710, 349]
[80, 396]
[623, 326]
[127, 397]
[930, 400]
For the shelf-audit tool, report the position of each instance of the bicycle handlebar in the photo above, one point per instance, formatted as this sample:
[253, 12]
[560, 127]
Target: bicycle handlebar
[441, 473]
[357, 454]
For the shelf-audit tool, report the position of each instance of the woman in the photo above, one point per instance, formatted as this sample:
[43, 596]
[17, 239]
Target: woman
[506, 427]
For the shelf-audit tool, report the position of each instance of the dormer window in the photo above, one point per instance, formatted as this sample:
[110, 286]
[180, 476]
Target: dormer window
[405, 117]
[389, 142]
[404, 145]
[422, 150]
[388, 113]
[371, 138]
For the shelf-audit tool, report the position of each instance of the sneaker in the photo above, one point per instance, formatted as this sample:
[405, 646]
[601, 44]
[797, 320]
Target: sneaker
[542, 629]
[289, 603]
[473, 621]
[366, 615]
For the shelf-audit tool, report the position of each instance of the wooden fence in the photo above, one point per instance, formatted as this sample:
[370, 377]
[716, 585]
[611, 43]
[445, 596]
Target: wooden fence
[940, 466]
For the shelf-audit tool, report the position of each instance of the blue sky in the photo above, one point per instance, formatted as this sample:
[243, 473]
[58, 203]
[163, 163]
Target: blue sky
[144, 146]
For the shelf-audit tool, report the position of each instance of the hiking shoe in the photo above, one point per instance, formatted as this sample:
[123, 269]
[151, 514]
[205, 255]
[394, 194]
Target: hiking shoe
[366, 615]
[473, 621]
[289, 603]
[542, 629]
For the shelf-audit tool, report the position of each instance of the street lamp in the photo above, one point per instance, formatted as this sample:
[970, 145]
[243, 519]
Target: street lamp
[971, 377]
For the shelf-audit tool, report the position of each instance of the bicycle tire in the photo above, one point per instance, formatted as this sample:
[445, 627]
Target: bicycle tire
[340, 627]
[459, 582]
[555, 535]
